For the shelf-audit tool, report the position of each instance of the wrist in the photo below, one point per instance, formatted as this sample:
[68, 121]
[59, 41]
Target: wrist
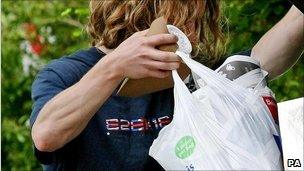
[111, 67]
[103, 73]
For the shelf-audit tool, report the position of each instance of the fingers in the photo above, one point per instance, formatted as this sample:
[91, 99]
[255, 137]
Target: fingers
[166, 66]
[159, 55]
[161, 39]
[140, 33]
[159, 74]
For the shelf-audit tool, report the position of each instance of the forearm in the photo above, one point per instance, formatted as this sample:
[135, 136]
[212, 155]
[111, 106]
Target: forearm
[281, 46]
[68, 113]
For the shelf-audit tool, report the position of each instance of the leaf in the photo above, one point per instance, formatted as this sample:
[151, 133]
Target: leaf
[82, 11]
[66, 12]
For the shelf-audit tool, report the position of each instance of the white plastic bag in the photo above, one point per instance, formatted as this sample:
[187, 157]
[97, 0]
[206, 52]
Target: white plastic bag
[246, 72]
[220, 126]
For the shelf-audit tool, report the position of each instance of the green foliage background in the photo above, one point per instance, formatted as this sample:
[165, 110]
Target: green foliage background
[248, 20]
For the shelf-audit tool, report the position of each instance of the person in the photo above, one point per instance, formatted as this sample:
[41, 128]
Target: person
[79, 123]
[280, 48]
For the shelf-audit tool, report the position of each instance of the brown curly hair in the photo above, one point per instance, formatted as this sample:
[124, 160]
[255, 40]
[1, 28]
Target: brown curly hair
[113, 21]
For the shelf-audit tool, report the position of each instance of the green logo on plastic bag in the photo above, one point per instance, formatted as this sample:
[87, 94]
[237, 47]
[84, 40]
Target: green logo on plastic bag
[184, 147]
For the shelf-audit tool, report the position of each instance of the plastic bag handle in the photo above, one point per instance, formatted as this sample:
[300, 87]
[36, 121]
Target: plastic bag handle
[265, 74]
[200, 69]
[216, 82]
[178, 82]
[181, 92]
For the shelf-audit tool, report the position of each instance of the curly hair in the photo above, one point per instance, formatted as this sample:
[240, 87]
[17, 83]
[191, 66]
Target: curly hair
[113, 21]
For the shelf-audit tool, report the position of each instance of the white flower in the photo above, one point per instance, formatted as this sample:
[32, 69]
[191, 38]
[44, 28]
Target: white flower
[31, 62]
[23, 45]
[26, 63]
[48, 29]
[52, 39]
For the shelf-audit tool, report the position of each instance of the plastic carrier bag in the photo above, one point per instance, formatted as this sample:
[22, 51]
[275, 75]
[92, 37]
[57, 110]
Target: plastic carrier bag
[220, 126]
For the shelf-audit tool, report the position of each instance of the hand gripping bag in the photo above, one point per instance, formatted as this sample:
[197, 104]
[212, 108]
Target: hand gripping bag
[220, 126]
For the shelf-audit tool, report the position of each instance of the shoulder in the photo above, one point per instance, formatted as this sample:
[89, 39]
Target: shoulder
[69, 69]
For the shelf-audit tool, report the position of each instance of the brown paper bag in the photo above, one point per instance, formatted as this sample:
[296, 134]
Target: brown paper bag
[138, 87]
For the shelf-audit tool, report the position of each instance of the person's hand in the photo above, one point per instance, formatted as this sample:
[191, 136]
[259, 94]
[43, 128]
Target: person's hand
[137, 57]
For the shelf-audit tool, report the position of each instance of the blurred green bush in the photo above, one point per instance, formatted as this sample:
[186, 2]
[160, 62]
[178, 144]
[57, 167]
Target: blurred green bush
[35, 32]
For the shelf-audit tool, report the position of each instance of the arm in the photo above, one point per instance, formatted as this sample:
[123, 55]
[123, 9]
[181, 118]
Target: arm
[75, 106]
[281, 46]
[67, 114]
